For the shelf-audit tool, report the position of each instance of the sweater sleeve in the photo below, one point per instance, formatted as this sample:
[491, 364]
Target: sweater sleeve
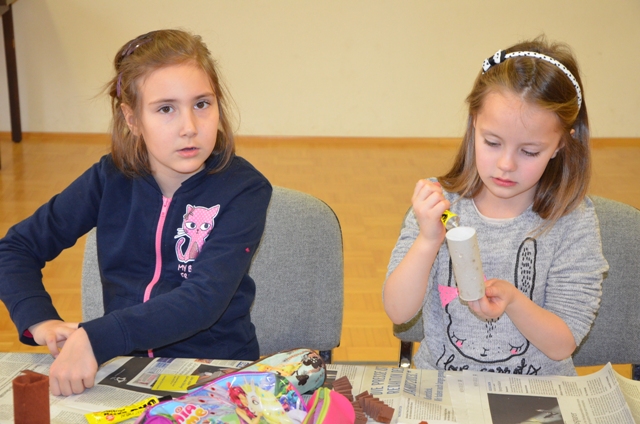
[199, 302]
[574, 283]
[40, 238]
[408, 235]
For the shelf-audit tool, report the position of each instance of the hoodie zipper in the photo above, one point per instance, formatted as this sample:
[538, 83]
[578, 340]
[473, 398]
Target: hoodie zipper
[156, 275]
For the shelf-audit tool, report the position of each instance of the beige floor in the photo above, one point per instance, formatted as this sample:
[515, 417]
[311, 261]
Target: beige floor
[368, 183]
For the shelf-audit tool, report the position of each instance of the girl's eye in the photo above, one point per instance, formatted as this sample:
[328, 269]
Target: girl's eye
[203, 104]
[165, 109]
[530, 154]
[490, 143]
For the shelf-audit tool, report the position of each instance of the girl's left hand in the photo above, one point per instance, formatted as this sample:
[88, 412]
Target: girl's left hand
[498, 295]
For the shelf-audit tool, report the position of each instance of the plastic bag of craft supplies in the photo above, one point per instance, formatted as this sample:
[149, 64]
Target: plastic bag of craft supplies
[240, 397]
[265, 391]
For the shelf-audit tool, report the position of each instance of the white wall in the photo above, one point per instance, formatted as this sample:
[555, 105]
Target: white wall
[331, 68]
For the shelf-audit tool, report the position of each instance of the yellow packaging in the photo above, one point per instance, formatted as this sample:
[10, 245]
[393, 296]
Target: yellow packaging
[121, 414]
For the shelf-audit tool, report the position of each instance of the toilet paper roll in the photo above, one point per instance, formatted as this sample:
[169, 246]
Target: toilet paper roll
[31, 398]
[467, 266]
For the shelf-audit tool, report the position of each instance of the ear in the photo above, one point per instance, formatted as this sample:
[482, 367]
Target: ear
[130, 118]
[572, 133]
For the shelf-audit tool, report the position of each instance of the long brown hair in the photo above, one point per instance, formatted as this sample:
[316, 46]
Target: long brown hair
[133, 62]
[565, 180]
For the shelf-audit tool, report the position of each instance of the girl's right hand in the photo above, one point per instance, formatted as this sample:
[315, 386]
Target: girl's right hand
[406, 286]
[429, 204]
[53, 334]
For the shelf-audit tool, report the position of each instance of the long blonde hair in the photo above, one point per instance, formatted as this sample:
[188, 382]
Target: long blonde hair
[133, 62]
[565, 180]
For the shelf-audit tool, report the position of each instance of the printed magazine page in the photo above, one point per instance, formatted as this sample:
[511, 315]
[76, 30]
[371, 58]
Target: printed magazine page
[510, 399]
[631, 390]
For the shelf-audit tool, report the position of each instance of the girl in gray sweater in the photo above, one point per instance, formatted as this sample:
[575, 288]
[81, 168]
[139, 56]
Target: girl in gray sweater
[520, 179]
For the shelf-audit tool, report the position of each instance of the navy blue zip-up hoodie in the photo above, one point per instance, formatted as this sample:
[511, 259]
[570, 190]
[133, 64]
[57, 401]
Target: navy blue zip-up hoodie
[174, 271]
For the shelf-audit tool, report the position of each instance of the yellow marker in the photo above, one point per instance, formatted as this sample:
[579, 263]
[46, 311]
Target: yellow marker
[450, 220]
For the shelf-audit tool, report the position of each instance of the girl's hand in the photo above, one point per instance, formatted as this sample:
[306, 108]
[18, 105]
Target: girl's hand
[75, 368]
[428, 205]
[53, 334]
[498, 295]
[545, 330]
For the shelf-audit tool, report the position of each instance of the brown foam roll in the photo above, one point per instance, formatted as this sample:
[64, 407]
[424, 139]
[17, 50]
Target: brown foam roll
[385, 414]
[375, 407]
[31, 398]
[362, 399]
[361, 419]
[342, 382]
[342, 389]
[341, 379]
[367, 403]
[365, 393]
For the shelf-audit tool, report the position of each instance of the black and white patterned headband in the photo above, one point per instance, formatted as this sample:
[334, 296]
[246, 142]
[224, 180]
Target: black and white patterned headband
[501, 55]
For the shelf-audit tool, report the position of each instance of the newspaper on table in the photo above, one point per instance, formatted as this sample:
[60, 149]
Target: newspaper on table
[598, 398]
[122, 381]
[416, 395]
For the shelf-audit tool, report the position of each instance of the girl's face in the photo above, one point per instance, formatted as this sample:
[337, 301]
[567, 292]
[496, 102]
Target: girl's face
[178, 120]
[514, 141]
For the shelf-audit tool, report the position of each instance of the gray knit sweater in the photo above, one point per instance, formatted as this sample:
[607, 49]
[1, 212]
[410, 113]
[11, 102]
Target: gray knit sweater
[561, 270]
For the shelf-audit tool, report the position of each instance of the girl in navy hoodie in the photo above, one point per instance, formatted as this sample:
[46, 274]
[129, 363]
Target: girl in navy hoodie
[178, 216]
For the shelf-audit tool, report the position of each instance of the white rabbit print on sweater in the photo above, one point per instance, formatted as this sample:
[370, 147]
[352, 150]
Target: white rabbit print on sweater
[488, 341]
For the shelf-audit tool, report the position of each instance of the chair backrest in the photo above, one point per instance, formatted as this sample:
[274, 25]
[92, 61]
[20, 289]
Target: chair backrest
[615, 334]
[298, 270]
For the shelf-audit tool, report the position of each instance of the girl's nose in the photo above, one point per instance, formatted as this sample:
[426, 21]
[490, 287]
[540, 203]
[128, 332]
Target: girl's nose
[189, 128]
[506, 162]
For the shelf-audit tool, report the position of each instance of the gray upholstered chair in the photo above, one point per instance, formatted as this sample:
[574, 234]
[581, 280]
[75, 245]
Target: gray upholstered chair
[615, 335]
[298, 270]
